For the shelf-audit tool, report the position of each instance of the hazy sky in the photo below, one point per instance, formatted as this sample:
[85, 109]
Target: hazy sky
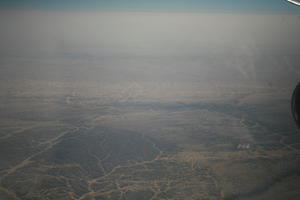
[78, 41]
[157, 5]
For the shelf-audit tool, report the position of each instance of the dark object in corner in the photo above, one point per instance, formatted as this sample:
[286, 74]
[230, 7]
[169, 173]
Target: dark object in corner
[296, 105]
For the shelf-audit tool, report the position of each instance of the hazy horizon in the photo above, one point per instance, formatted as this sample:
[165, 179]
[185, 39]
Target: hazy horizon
[161, 47]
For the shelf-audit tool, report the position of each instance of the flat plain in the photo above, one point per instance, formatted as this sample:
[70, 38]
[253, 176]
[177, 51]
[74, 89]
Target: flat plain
[147, 143]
